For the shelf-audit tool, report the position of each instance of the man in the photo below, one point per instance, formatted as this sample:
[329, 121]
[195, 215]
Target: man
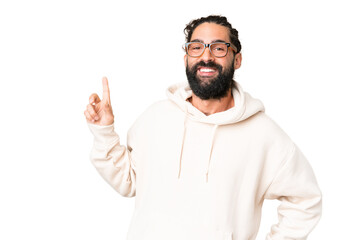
[202, 162]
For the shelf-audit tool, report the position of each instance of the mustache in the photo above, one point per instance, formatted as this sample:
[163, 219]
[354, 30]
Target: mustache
[208, 64]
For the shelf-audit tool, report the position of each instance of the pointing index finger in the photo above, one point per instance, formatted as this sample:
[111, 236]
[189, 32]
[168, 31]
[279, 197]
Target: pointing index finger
[106, 90]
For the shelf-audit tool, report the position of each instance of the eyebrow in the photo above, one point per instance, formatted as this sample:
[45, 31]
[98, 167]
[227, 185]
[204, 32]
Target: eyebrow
[217, 40]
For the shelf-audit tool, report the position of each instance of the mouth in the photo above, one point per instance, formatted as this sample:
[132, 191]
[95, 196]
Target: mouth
[207, 71]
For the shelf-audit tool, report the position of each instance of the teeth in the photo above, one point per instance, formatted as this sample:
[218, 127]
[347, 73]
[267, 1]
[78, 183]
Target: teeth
[207, 70]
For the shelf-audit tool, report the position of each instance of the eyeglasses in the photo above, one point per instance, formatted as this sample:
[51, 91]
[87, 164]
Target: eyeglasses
[217, 49]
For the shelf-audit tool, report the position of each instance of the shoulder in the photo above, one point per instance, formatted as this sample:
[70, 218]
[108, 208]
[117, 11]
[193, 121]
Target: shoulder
[161, 105]
[265, 122]
[154, 114]
[157, 110]
[263, 129]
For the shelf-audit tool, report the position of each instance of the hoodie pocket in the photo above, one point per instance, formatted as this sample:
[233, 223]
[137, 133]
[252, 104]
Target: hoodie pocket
[167, 231]
[156, 226]
[164, 227]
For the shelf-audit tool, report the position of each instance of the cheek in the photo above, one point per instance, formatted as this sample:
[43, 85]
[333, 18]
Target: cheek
[190, 63]
[226, 64]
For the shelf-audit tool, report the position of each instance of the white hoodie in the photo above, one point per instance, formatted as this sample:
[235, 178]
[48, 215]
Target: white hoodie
[199, 177]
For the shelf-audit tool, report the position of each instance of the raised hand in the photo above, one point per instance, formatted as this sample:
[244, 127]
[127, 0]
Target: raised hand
[99, 111]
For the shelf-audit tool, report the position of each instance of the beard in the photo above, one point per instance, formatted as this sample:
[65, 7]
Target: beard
[215, 88]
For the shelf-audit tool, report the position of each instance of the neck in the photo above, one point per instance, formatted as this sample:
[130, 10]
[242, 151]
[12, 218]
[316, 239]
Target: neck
[212, 106]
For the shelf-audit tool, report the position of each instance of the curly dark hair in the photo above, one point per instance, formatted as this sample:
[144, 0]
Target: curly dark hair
[221, 20]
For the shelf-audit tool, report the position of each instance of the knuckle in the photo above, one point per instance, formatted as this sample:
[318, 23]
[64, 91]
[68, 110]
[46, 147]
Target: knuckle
[89, 113]
[92, 97]
[87, 116]
[90, 107]
[92, 114]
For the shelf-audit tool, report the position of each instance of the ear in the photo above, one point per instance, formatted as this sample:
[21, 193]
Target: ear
[185, 60]
[238, 59]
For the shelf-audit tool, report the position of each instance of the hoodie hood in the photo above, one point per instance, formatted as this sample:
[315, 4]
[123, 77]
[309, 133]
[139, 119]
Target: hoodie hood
[244, 107]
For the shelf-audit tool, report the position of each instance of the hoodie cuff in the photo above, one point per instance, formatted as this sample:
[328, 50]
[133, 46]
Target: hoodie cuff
[103, 135]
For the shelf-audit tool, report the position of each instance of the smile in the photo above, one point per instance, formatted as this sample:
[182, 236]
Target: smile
[206, 70]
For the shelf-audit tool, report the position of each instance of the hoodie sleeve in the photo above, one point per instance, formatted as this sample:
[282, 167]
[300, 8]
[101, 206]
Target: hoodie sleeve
[301, 201]
[112, 160]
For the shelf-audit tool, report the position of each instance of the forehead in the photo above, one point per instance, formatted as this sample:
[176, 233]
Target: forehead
[209, 32]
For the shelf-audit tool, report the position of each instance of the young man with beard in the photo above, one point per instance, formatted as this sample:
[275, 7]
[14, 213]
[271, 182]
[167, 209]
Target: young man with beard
[202, 162]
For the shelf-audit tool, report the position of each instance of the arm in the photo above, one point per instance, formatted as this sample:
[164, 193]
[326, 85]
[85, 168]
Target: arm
[112, 160]
[301, 202]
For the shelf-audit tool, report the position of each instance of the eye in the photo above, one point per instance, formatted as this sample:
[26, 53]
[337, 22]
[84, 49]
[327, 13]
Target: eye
[195, 47]
[219, 47]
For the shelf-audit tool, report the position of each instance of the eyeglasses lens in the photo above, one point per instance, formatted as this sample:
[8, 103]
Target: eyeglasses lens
[216, 49]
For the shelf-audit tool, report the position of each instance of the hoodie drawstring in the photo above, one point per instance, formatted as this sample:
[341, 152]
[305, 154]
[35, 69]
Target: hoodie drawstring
[211, 148]
[210, 151]
[182, 144]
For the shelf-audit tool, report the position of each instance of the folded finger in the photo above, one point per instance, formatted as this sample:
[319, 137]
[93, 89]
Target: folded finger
[88, 117]
[94, 98]
[90, 109]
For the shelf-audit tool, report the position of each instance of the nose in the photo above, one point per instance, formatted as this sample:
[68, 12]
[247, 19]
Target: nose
[207, 56]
